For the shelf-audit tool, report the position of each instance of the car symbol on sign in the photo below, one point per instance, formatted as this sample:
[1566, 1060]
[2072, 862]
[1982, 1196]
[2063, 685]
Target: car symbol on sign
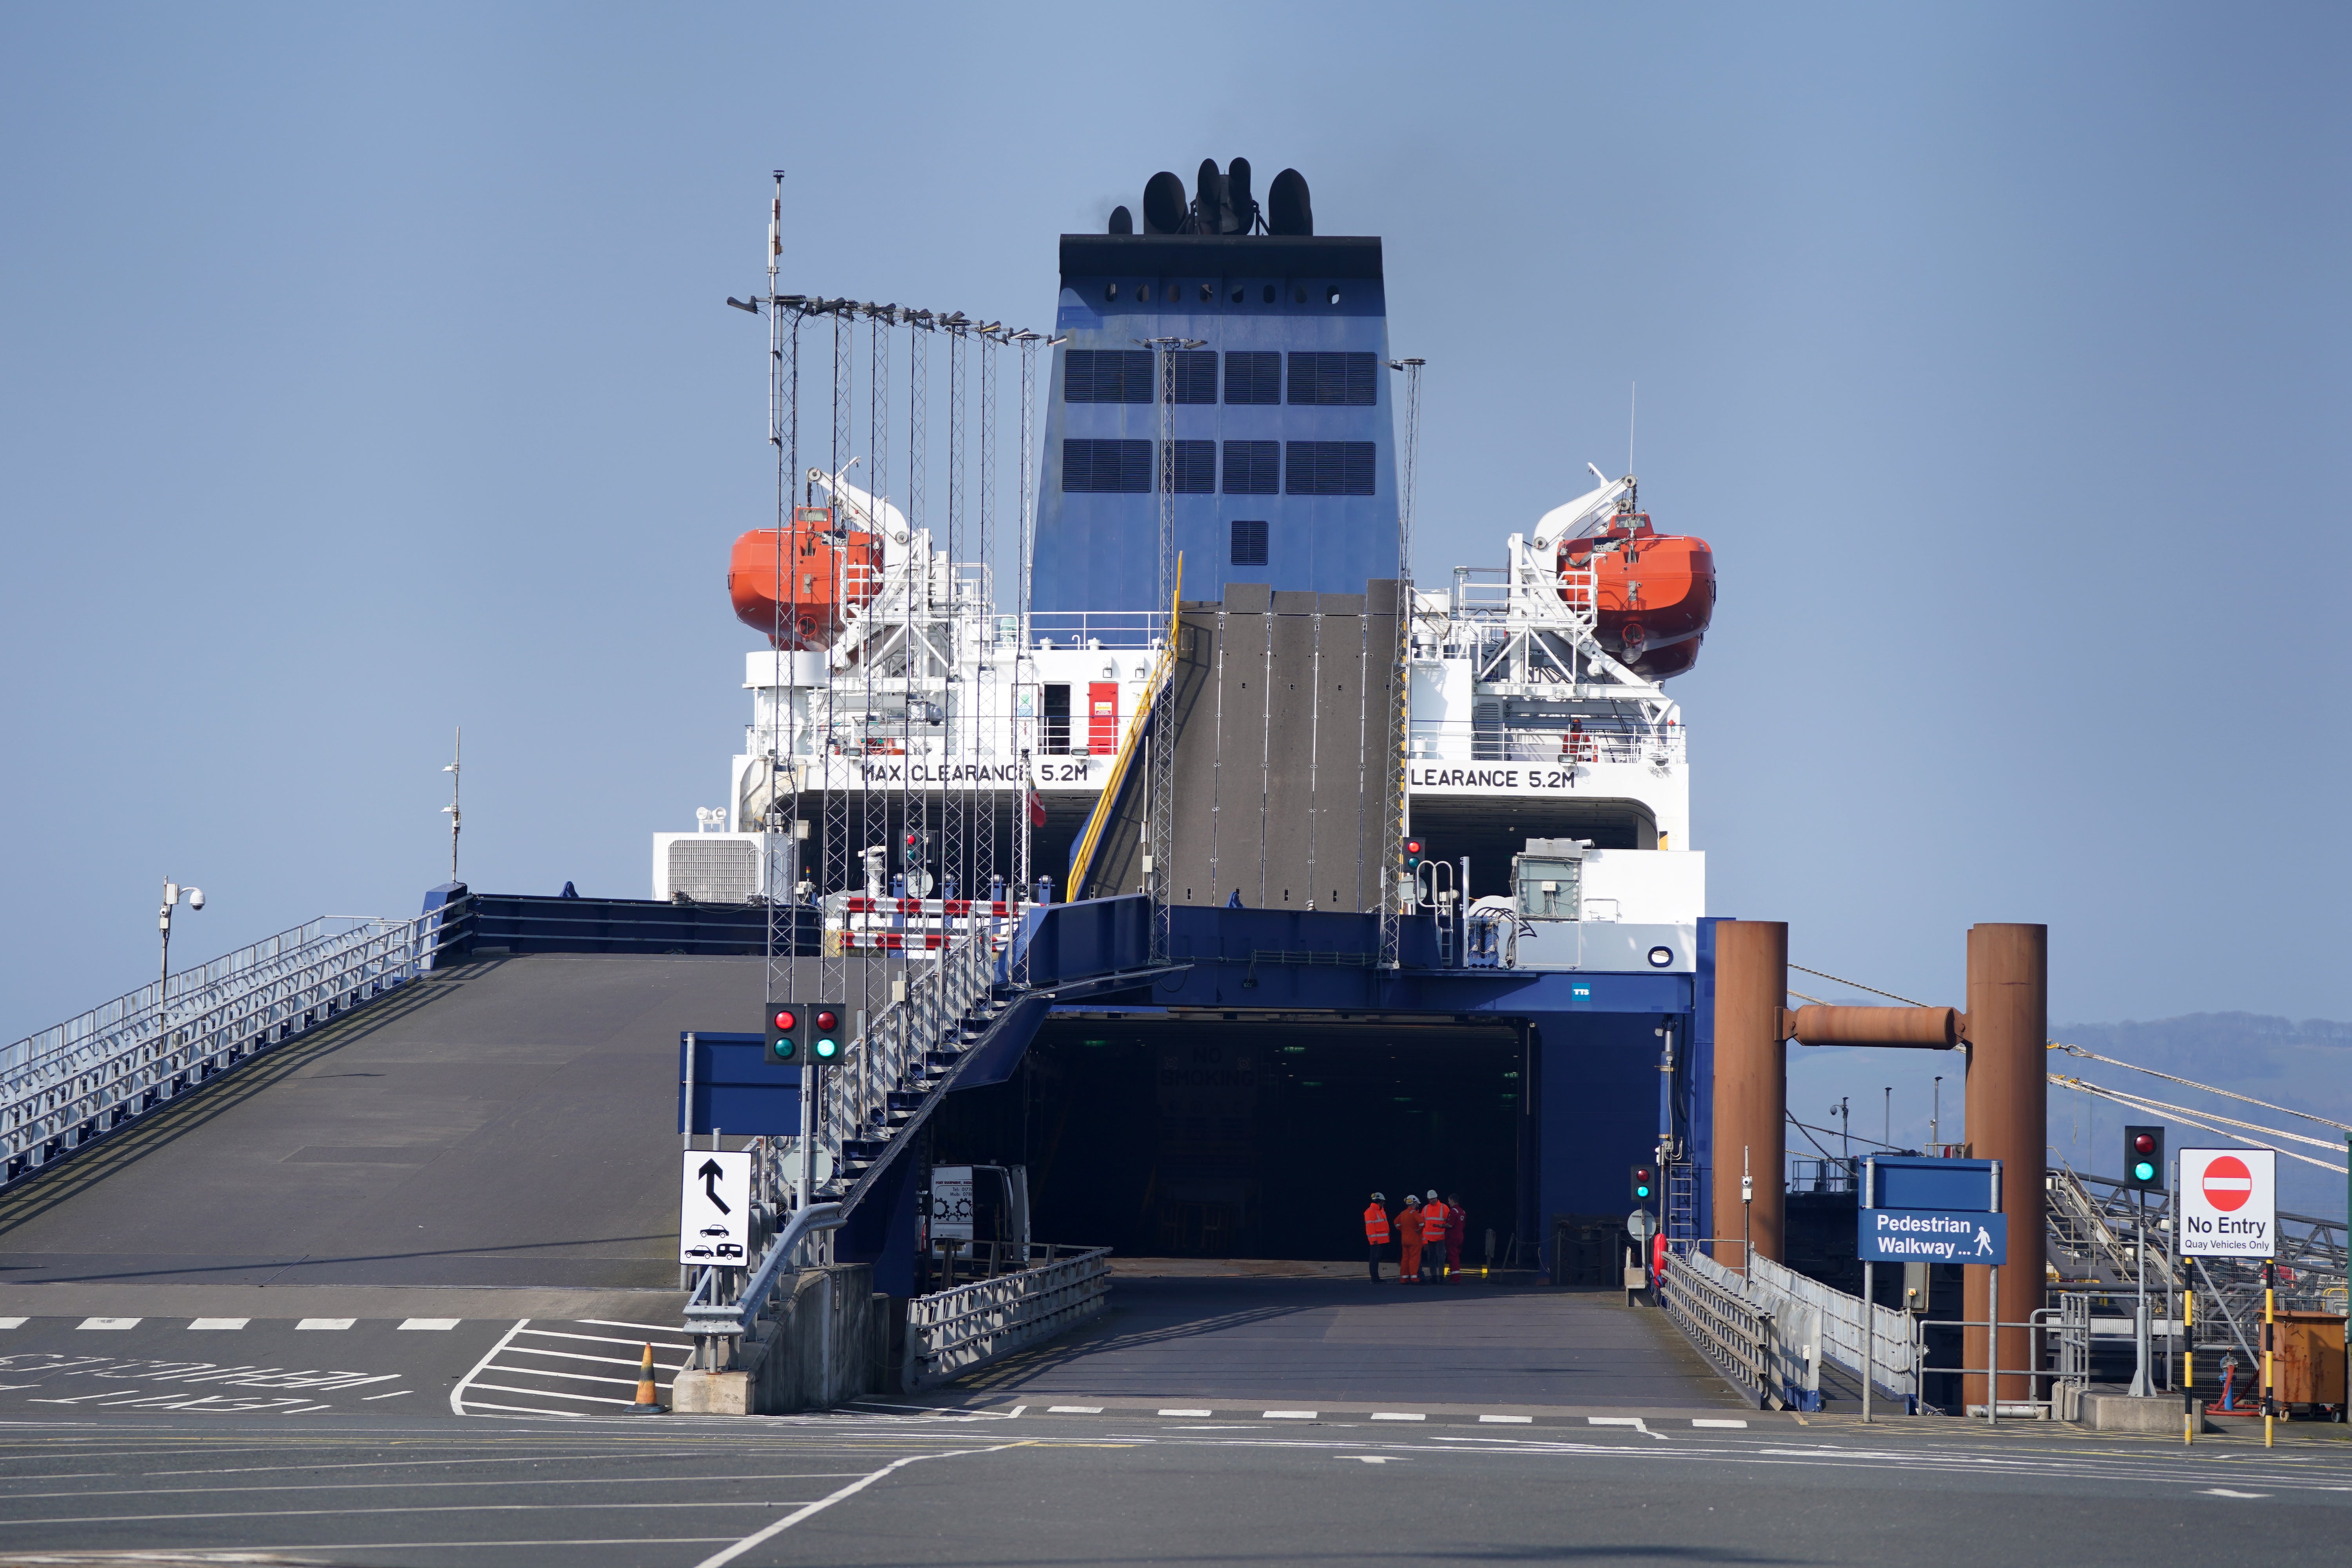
[699, 1252]
[716, 1230]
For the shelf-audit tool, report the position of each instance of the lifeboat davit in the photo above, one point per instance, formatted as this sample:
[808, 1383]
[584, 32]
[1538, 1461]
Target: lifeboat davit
[1653, 592]
[826, 571]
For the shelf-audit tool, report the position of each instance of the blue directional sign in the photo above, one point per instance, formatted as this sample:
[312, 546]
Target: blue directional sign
[1933, 1235]
[729, 1083]
[1915, 1182]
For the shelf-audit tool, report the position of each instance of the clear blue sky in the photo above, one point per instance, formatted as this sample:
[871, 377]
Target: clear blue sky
[366, 373]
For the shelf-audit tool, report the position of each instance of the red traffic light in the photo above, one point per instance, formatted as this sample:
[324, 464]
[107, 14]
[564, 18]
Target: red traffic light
[827, 1021]
[2142, 1143]
[1413, 846]
[786, 1019]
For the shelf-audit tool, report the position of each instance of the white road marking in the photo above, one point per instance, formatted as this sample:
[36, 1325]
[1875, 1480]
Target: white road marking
[1511, 1420]
[219, 1322]
[14, 1323]
[1708, 1421]
[2225, 1491]
[552, 1393]
[396, 1394]
[626, 1360]
[807, 1511]
[110, 1322]
[609, 1323]
[1286, 1415]
[1364, 1459]
[458, 1393]
[433, 1324]
[1187, 1413]
[1074, 1410]
[569, 1376]
[1397, 1415]
[329, 1323]
[1632, 1421]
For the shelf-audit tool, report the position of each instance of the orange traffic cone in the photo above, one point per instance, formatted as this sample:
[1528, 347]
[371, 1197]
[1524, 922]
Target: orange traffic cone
[648, 1397]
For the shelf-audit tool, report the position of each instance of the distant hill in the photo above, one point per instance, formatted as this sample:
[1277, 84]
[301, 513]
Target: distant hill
[2306, 1065]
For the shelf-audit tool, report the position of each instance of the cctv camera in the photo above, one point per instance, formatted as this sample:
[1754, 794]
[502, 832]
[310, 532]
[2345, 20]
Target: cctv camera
[196, 898]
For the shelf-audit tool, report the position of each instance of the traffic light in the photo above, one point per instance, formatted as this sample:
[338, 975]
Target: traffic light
[2144, 1158]
[781, 1025]
[824, 1034]
[1643, 1184]
[1415, 851]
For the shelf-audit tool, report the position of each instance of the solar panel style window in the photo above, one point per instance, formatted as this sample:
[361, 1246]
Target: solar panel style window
[1328, 469]
[1119, 468]
[1253, 467]
[1195, 466]
[1335, 380]
[1249, 543]
[1106, 375]
[1253, 377]
[1196, 375]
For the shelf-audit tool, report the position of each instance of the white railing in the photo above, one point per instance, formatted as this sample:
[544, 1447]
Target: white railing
[950, 1334]
[1729, 1327]
[71, 1083]
[1891, 1352]
[1462, 739]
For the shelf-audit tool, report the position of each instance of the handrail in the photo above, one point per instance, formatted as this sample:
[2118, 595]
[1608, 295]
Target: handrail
[77, 1081]
[737, 1317]
[1107, 803]
[954, 1332]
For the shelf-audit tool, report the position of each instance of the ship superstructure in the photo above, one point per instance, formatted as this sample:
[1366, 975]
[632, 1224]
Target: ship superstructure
[1218, 384]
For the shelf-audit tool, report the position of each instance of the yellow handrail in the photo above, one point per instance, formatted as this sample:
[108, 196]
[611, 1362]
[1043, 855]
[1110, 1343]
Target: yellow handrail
[1106, 802]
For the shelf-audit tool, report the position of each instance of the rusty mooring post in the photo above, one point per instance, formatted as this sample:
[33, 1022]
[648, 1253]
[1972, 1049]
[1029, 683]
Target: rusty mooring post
[1751, 1085]
[2009, 1112]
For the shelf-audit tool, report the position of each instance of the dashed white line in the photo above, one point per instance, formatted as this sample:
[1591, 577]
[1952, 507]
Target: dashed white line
[1710, 1421]
[430, 1324]
[1397, 1415]
[1074, 1410]
[1286, 1415]
[200, 1324]
[14, 1323]
[330, 1323]
[110, 1322]
[1507, 1420]
[1187, 1413]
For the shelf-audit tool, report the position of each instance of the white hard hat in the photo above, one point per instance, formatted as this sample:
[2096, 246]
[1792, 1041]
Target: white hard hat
[1380, 1197]
[1433, 1195]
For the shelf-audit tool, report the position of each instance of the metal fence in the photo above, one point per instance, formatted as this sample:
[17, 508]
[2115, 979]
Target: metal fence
[69, 1085]
[954, 1332]
[1891, 1352]
[1712, 1305]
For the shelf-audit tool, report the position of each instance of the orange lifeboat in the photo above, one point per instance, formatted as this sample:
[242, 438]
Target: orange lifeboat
[825, 571]
[1655, 592]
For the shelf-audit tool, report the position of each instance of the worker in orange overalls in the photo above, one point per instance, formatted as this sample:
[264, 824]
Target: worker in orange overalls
[1409, 1234]
[1434, 1218]
[1457, 1226]
[1376, 1231]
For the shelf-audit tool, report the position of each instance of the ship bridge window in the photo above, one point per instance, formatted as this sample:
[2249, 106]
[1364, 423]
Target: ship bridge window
[1111, 292]
[1329, 467]
[1192, 468]
[1143, 292]
[1120, 467]
[1269, 294]
[1253, 468]
[1331, 296]
[1253, 377]
[1348, 380]
[1196, 375]
[1106, 375]
[1237, 296]
[1208, 293]
[1249, 542]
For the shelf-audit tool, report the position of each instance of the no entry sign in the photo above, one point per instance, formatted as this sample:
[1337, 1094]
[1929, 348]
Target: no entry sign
[2229, 1203]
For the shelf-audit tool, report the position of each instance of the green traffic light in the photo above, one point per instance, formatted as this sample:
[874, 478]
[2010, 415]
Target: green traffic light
[826, 1050]
[1641, 1191]
[2143, 1171]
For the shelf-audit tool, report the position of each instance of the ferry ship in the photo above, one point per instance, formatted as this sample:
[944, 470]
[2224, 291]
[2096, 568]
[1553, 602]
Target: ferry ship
[1218, 382]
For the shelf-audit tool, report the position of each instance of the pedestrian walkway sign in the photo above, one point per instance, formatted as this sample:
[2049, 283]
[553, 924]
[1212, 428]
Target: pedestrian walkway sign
[1933, 1235]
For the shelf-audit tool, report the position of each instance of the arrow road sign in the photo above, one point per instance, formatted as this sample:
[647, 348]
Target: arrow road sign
[1933, 1235]
[714, 1214]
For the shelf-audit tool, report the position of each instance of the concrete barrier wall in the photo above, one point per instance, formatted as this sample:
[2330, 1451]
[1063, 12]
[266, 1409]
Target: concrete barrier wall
[825, 1343]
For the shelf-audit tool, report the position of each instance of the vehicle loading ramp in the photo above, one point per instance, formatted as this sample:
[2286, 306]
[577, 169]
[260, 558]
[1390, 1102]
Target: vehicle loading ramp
[507, 1124]
[1284, 787]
